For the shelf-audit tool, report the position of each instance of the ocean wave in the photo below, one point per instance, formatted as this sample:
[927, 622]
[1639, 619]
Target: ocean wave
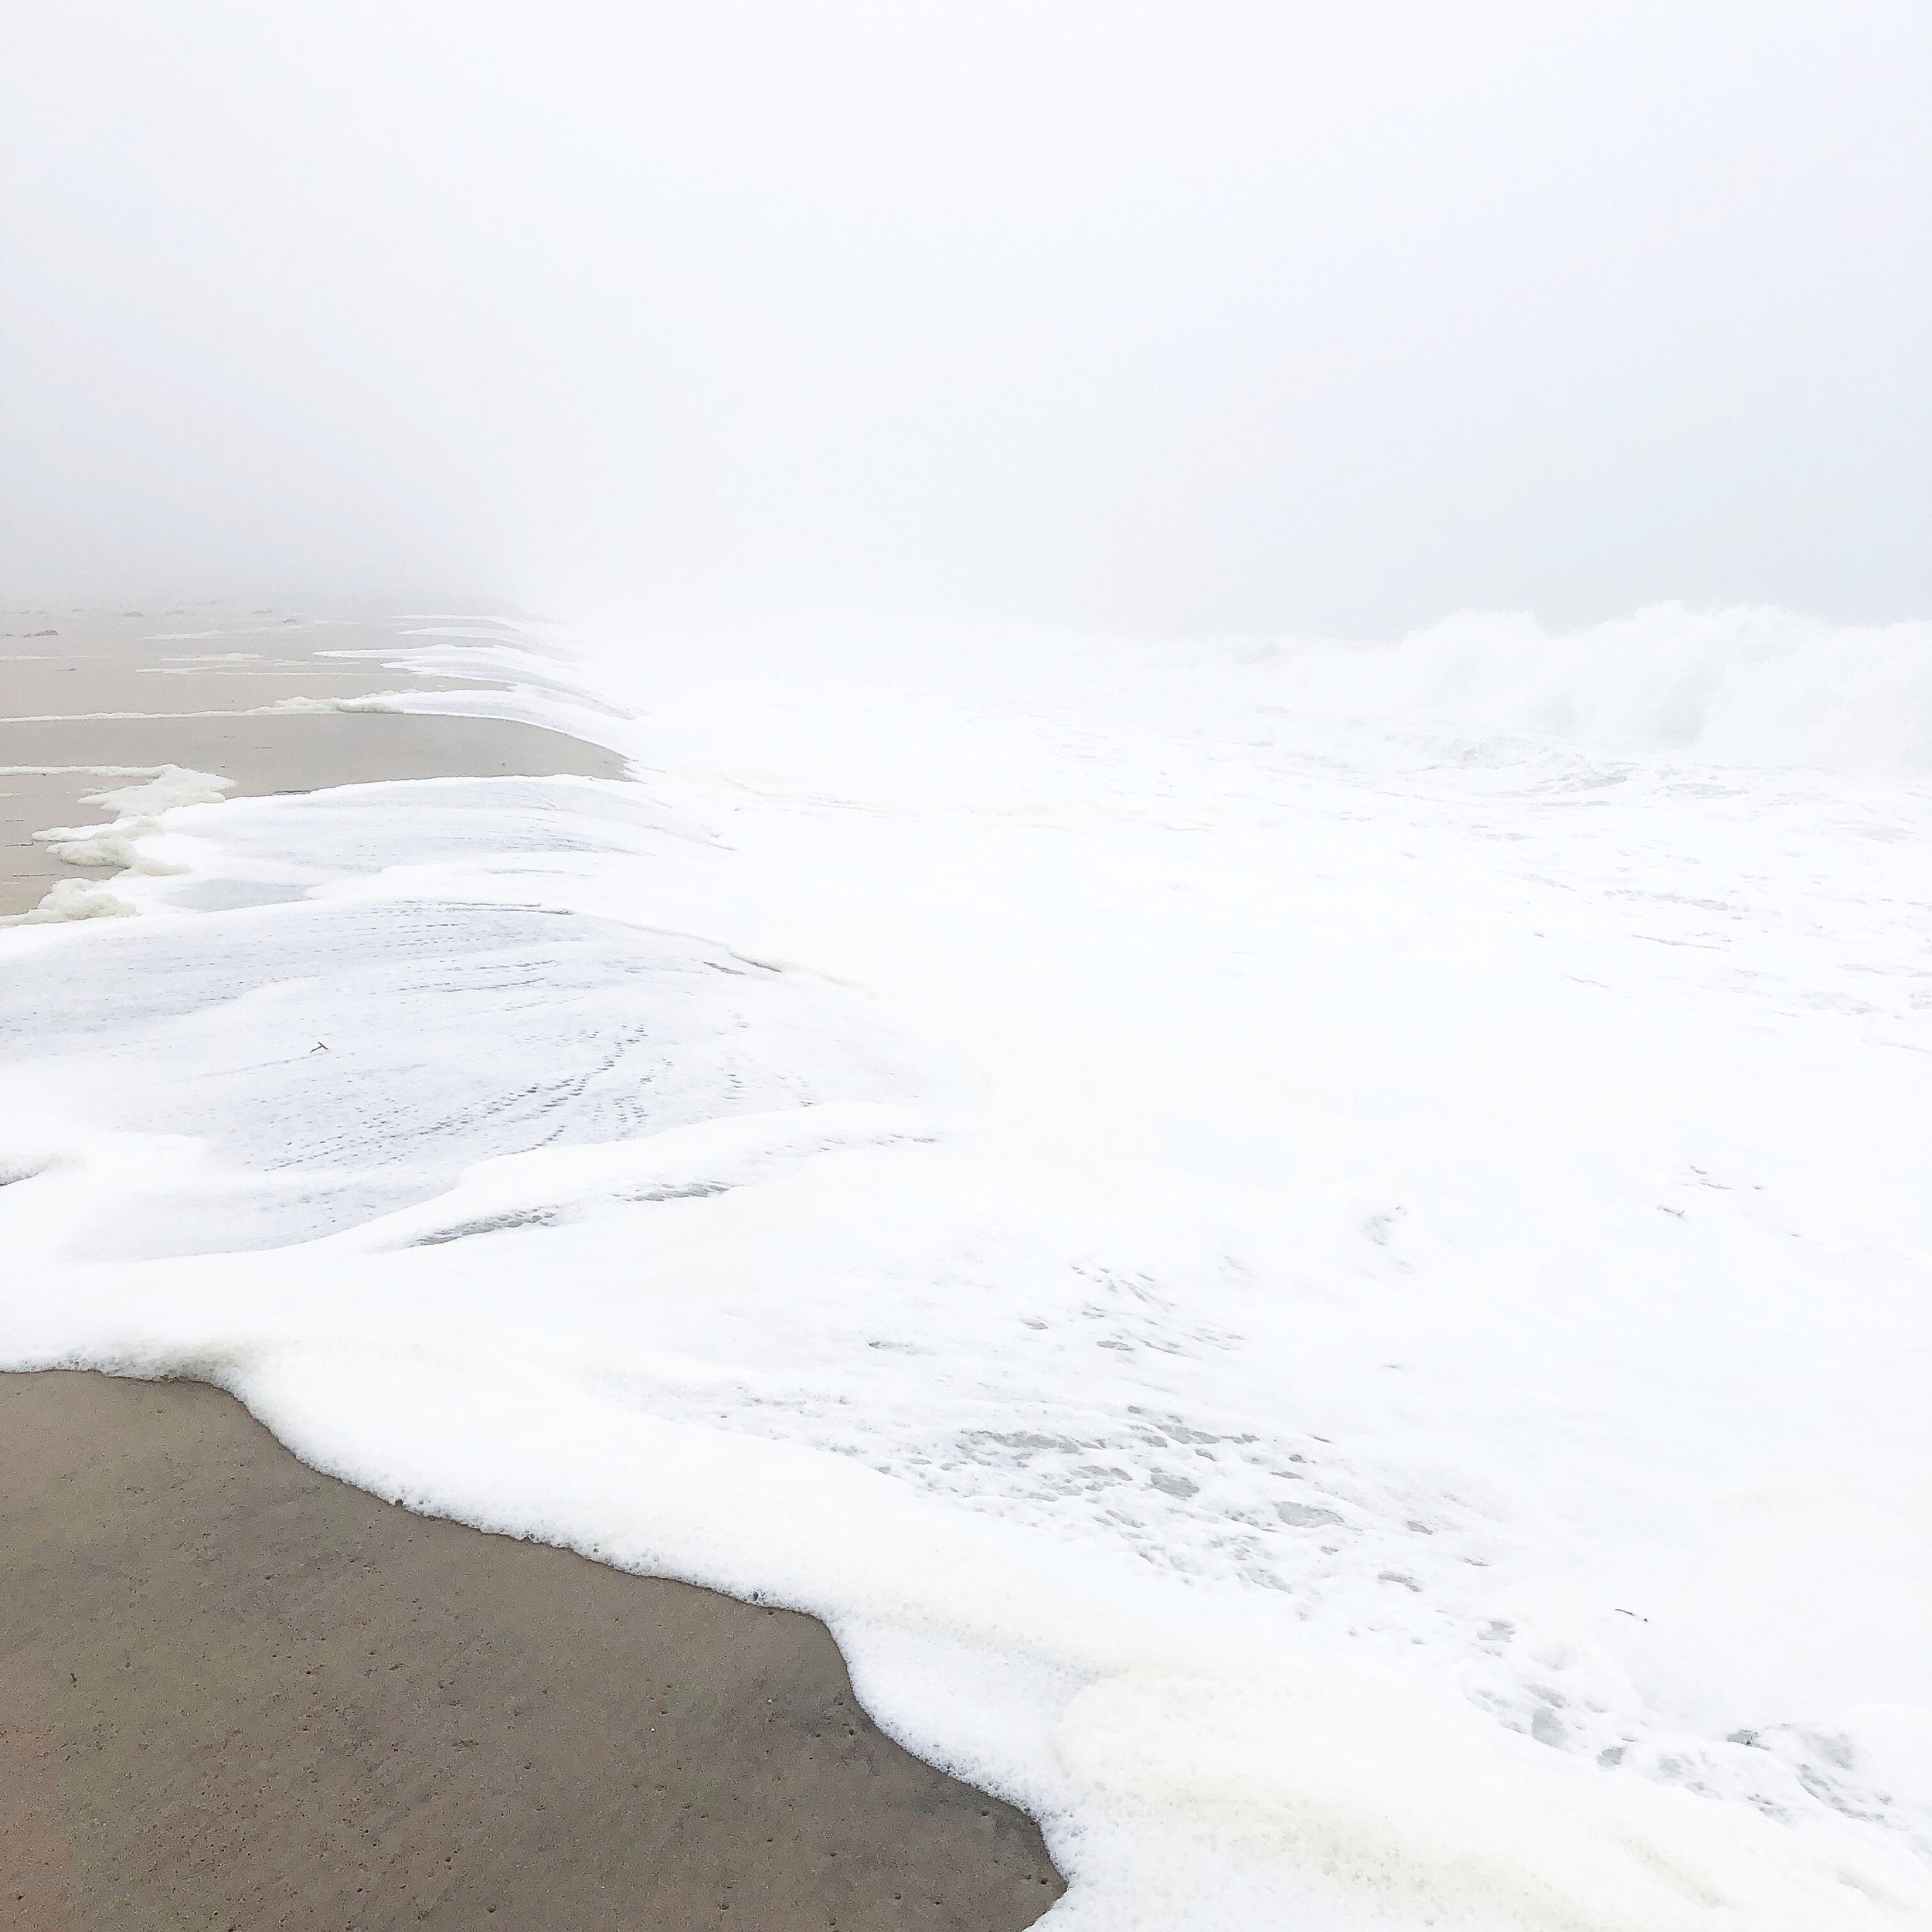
[1749, 685]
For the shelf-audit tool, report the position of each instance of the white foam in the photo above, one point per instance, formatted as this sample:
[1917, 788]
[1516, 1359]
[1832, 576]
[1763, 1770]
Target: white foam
[67, 899]
[1338, 1314]
[1750, 684]
[375, 701]
[163, 787]
[170, 786]
[121, 846]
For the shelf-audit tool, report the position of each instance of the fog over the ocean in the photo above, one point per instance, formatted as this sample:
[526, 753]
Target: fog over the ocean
[1128, 316]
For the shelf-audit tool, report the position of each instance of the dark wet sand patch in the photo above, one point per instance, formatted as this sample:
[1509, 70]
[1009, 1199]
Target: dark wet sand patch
[237, 1693]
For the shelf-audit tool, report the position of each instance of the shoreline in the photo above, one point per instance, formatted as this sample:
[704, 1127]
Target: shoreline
[236, 1692]
[277, 1665]
[89, 703]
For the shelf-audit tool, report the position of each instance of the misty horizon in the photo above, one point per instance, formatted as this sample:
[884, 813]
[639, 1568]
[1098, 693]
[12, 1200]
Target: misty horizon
[1257, 319]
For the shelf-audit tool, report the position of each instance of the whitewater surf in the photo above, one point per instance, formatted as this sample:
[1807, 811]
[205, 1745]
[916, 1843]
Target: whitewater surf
[1316, 1254]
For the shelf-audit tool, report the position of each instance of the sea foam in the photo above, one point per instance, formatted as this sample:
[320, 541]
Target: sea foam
[1329, 1297]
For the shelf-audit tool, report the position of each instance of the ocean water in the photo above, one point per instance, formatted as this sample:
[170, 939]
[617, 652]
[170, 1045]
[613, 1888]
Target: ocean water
[1319, 1257]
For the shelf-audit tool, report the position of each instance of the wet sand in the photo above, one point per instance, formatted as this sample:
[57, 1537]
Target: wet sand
[237, 1693]
[89, 701]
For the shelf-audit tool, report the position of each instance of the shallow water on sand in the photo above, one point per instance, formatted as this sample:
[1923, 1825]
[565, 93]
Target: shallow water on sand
[1330, 1304]
[94, 705]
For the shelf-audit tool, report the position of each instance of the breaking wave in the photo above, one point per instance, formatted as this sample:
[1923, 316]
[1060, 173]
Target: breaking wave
[1749, 684]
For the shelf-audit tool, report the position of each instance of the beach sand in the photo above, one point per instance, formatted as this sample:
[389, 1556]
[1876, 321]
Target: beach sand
[237, 1693]
[91, 701]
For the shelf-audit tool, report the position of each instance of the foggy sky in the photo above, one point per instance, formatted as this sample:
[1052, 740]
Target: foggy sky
[1140, 317]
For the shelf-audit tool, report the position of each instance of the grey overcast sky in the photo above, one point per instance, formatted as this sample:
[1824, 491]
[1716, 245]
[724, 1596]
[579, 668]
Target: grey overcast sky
[1198, 315]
